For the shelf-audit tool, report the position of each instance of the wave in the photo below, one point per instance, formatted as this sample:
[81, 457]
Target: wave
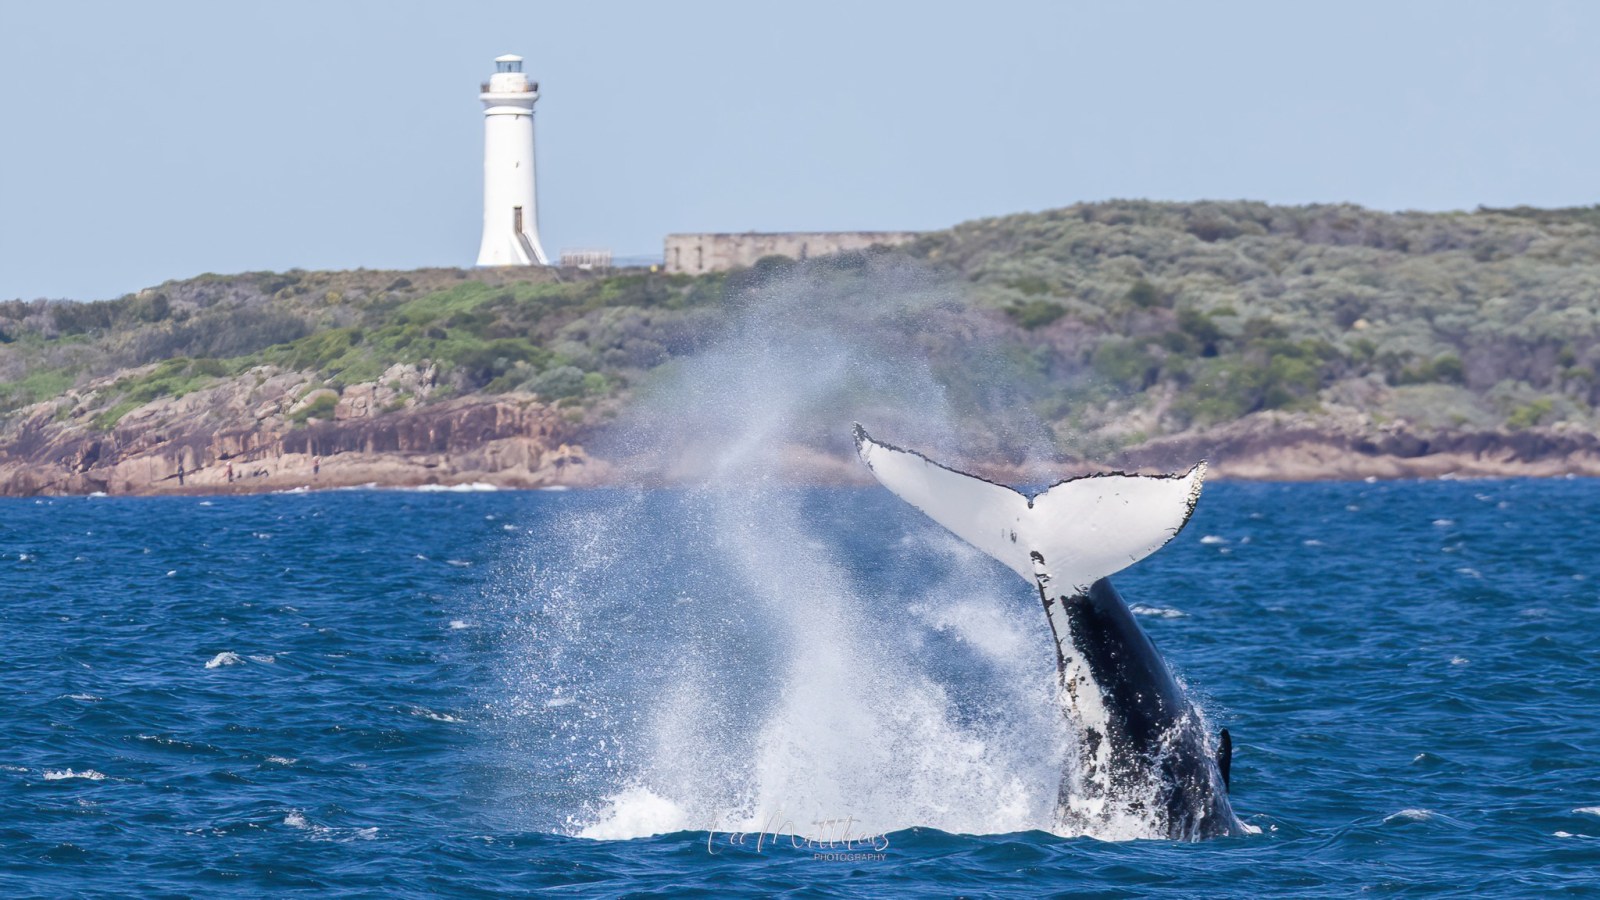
[64, 774]
[1160, 612]
[225, 658]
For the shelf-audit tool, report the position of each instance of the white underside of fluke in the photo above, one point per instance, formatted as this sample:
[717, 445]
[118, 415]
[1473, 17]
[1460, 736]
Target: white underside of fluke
[1064, 539]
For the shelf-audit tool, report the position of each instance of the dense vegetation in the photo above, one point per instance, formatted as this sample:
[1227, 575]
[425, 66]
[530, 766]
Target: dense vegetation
[1120, 320]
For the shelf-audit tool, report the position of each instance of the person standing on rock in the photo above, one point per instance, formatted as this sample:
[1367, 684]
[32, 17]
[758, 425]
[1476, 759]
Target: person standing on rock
[316, 466]
[180, 473]
[230, 473]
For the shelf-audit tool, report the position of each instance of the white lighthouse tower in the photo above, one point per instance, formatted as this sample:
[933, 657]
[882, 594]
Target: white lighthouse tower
[510, 201]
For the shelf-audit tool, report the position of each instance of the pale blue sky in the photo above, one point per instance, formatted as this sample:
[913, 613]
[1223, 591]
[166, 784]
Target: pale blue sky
[141, 142]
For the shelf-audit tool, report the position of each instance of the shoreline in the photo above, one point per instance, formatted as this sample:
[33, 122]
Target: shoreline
[831, 472]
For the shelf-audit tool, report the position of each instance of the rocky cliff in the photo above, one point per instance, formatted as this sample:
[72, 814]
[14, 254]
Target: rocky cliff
[273, 430]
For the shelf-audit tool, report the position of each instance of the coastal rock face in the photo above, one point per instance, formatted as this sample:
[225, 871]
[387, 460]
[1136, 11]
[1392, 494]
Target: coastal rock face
[1348, 445]
[276, 433]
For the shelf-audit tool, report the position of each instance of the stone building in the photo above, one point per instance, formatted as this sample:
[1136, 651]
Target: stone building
[695, 253]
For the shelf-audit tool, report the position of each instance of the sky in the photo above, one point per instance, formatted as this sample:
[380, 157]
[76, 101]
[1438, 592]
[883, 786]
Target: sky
[151, 141]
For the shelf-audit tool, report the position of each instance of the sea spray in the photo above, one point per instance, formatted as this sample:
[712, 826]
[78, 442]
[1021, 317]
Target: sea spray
[795, 670]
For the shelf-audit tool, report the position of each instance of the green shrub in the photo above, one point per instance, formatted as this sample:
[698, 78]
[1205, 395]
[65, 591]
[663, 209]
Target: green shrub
[1036, 313]
[320, 408]
[1127, 364]
[1530, 414]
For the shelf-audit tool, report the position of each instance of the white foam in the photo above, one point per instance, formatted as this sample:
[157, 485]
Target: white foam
[97, 494]
[1459, 660]
[1213, 539]
[225, 658]
[264, 658]
[425, 713]
[1588, 810]
[282, 760]
[1410, 815]
[457, 624]
[458, 563]
[1313, 542]
[474, 487]
[1160, 612]
[1443, 523]
[85, 698]
[63, 774]
[634, 812]
[297, 820]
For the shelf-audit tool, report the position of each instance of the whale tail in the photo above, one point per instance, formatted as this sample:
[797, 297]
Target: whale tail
[1067, 537]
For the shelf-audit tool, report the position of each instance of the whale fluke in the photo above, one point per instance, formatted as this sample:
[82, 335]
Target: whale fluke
[1073, 534]
[1144, 755]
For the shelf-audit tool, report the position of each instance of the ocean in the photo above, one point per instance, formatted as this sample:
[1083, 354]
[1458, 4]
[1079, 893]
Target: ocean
[772, 691]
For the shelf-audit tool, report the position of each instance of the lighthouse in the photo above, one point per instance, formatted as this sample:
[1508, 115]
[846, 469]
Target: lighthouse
[510, 201]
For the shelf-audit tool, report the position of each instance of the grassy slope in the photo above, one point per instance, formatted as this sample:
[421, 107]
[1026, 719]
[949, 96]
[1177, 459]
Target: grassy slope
[1170, 316]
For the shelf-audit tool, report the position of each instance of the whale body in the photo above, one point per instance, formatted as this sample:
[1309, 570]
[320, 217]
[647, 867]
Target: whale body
[1145, 765]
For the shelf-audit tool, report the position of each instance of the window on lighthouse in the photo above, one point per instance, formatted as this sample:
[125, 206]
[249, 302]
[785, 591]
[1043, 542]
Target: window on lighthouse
[508, 66]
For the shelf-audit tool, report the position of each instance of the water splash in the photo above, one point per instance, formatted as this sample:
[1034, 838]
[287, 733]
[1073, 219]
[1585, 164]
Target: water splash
[742, 651]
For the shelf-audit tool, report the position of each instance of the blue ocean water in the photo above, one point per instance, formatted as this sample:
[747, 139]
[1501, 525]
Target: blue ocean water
[407, 694]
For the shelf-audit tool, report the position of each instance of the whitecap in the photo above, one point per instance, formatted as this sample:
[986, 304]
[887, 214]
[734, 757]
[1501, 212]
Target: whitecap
[458, 563]
[425, 713]
[1469, 572]
[296, 819]
[1588, 810]
[456, 488]
[554, 702]
[264, 658]
[1213, 539]
[85, 698]
[171, 572]
[282, 760]
[636, 812]
[225, 658]
[1312, 543]
[1410, 815]
[1459, 660]
[1443, 523]
[97, 494]
[10, 768]
[509, 528]
[457, 624]
[206, 503]
[63, 774]
[1162, 612]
